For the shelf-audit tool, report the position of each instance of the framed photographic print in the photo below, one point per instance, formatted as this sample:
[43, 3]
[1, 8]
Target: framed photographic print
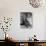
[26, 20]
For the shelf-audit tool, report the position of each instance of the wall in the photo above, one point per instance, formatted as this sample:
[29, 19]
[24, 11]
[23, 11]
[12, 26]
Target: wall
[12, 8]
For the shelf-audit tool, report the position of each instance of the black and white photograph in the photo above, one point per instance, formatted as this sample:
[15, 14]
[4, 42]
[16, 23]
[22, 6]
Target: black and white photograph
[26, 20]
